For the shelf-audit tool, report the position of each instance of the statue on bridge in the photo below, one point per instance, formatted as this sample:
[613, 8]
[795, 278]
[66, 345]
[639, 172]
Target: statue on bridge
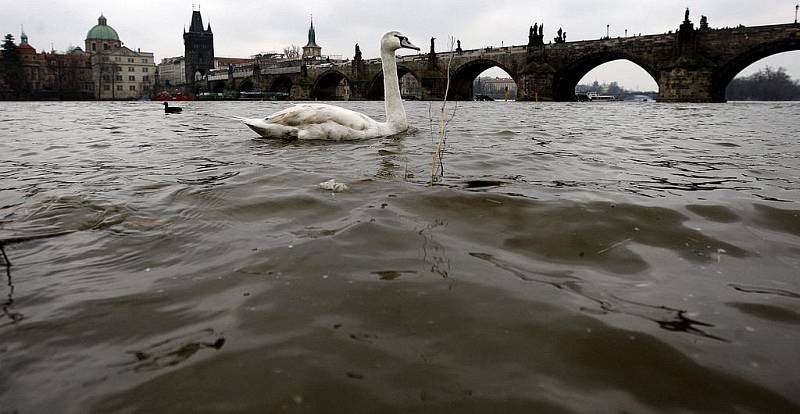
[358, 53]
[432, 55]
[703, 23]
[687, 25]
[562, 36]
[458, 47]
[536, 35]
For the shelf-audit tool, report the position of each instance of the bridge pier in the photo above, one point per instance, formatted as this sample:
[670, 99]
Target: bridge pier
[687, 85]
[535, 83]
[359, 89]
[433, 87]
[300, 92]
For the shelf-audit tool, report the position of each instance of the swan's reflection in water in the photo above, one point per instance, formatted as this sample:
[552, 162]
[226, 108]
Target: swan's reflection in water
[393, 159]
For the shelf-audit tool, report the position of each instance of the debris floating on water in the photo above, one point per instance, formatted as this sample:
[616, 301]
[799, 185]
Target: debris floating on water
[334, 186]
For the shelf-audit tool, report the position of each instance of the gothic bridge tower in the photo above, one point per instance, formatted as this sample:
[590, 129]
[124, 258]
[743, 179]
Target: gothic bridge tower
[198, 49]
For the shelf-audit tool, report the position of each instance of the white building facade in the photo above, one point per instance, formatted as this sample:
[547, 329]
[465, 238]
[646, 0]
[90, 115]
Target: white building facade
[119, 73]
[172, 72]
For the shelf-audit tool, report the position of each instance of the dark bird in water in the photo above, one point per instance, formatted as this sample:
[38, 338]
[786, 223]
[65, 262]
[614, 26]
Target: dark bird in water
[172, 110]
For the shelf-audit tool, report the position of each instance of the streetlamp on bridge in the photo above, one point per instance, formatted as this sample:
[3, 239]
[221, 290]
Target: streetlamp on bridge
[608, 26]
[795, 13]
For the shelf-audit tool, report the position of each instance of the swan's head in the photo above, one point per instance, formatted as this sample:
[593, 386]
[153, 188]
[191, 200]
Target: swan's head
[395, 40]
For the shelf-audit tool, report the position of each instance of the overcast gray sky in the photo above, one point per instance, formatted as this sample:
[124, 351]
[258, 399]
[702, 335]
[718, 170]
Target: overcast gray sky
[243, 28]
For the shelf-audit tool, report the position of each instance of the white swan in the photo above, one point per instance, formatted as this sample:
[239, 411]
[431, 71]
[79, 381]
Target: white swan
[328, 122]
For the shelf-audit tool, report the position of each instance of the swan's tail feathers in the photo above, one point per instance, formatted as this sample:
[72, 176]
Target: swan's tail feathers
[269, 130]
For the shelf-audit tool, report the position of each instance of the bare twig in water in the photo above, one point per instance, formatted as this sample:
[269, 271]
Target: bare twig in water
[6, 262]
[9, 303]
[430, 122]
[23, 239]
[620, 243]
[14, 316]
[437, 168]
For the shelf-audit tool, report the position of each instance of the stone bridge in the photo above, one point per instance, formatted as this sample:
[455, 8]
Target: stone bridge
[689, 65]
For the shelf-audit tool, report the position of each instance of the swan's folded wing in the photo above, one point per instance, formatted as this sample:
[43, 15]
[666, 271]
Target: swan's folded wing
[304, 115]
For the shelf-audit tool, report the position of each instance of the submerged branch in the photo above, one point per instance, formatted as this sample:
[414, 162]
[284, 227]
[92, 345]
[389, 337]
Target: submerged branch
[437, 167]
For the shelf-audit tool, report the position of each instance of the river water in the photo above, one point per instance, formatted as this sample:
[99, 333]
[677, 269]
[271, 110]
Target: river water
[574, 258]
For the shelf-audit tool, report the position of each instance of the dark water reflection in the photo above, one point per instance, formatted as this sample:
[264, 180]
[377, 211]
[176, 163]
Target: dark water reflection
[639, 258]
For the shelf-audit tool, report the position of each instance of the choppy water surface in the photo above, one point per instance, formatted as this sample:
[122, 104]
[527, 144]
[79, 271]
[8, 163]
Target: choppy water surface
[575, 258]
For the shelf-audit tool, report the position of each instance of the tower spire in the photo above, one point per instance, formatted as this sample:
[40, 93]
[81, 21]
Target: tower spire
[312, 34]
[312, 49]
[197, 22]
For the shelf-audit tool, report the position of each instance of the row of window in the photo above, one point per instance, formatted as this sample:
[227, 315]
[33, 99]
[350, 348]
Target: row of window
[119, 87]
[67, 64]
[130, 59]
[130, 68]
[105, 46]
[130, 78]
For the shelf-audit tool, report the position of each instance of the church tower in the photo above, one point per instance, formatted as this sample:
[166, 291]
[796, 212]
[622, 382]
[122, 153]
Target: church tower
[198, 46]
[312, 50]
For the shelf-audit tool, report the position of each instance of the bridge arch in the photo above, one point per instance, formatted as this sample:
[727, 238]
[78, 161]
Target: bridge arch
[463, 77]
[375, 88]
[331, 85]
[730, 69]
[282, 84]
[567, 79]
[246, 86]
[217, 86]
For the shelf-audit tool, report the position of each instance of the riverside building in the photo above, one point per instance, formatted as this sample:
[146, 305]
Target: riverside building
[119, 72]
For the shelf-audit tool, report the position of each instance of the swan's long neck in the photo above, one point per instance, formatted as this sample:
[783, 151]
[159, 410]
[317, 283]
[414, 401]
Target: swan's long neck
[395, 113]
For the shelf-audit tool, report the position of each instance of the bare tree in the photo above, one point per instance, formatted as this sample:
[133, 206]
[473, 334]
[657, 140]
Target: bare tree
[292, 52]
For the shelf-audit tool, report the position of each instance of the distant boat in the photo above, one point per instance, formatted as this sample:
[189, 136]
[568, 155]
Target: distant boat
[210, 96]
[483, 98]
[251, 96]
[641, 98]
[594, 97]
[163, 96]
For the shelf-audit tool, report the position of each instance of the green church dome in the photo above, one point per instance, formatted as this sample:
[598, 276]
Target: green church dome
[102, 31]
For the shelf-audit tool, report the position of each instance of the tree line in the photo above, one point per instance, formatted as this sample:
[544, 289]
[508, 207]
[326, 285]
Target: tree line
[765, 85]
[614, 89]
